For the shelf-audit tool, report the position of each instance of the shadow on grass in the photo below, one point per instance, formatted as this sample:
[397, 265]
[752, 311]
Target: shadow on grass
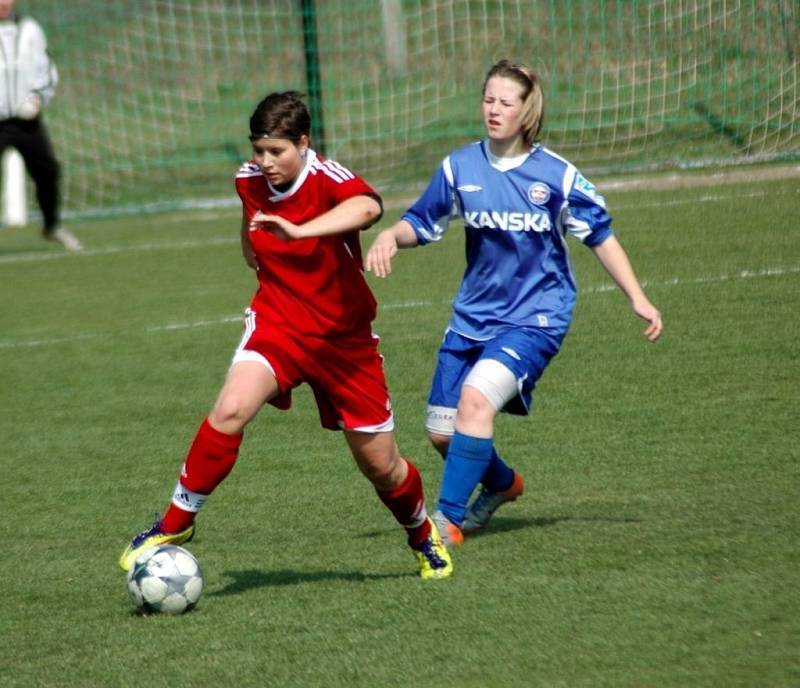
[253, 578]
[501, 524]
[504, 524]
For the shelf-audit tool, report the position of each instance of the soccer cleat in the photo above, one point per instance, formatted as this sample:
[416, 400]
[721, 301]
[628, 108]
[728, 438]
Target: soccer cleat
[450, 533]
[150, 538]
[433, 557]
[64, 237]
[486, 503]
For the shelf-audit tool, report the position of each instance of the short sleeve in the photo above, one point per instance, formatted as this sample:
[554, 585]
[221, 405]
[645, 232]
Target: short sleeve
[430, 215]
[585, 216]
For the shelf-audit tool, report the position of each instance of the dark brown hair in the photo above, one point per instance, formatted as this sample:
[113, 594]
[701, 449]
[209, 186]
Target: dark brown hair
[280, 116]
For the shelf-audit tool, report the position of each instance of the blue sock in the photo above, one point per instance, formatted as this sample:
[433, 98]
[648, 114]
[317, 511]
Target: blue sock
[466, 462]
[499, 475]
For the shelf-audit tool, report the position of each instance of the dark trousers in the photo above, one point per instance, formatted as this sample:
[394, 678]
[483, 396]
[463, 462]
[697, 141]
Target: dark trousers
[30, 138]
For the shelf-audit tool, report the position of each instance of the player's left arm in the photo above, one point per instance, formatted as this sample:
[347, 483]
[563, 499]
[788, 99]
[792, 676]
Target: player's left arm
[616, 263]
[354, 213]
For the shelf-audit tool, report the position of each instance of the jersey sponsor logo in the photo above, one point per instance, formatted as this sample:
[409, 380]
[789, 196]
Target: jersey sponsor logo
[539, 193]
[508, 222]
[470, 187]
[584, 185]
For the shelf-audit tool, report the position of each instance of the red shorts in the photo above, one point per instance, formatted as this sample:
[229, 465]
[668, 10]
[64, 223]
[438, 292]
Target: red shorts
[345, 373]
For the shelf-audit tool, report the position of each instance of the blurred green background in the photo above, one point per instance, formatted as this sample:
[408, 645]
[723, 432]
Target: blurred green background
[155, 95]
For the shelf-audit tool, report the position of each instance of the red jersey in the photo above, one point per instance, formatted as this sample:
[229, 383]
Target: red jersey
[311, 286]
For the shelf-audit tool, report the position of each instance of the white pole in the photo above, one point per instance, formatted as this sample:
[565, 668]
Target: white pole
[394, 37]
[15, 205]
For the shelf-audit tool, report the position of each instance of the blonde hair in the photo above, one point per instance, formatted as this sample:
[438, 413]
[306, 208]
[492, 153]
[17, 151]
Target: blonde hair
[532, 96]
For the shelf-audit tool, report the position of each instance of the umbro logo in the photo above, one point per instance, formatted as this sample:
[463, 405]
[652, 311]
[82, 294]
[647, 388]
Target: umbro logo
[470, 187]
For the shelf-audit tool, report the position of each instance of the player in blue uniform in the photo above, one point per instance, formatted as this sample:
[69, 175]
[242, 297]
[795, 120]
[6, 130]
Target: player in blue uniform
[518, 202]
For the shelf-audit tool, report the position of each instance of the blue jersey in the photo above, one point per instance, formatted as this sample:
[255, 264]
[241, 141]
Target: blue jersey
[516, 221]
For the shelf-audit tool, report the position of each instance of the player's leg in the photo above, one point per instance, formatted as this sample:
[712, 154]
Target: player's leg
[469, 454]
[351, 392]
[212, 455]
[498, 475]
[472, 457]
[523, 355]
[500, 483]
[465, 460]
[399, 486]
[395, 479]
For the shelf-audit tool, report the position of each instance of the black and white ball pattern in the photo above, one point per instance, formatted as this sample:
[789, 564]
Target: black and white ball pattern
[165, 579]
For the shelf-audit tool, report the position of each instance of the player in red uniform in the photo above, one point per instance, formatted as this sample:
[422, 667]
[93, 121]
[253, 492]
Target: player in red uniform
[309, 321]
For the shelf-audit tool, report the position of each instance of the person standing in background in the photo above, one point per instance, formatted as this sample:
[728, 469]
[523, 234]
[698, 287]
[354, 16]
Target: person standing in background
[28, 79]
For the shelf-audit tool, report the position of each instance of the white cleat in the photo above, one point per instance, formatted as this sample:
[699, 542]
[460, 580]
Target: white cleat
[66, 238]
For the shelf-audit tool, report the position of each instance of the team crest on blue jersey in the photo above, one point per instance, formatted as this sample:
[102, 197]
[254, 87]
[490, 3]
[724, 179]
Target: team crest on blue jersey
[539, 193]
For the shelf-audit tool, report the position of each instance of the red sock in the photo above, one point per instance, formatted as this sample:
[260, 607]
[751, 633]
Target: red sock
[210, 459]
[407, 504]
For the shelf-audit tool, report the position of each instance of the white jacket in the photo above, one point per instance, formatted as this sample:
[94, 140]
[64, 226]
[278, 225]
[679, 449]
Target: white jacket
[25, 67]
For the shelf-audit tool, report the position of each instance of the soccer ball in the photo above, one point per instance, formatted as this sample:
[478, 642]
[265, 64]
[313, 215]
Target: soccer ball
[165, 579]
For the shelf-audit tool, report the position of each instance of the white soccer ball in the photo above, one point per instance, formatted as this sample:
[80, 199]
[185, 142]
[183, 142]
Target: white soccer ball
[165, 579]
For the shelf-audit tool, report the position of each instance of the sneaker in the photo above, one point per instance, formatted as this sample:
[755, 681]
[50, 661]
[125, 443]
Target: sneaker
[64, 237]
[433, 557]
[486, 503]
[451, 534]
[150, 538]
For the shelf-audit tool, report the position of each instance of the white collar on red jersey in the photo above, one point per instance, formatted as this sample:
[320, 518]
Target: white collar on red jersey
[278, 195]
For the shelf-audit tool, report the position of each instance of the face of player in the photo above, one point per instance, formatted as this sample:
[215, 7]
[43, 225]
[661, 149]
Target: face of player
[502, 109]
[280, 160]
[6, 9]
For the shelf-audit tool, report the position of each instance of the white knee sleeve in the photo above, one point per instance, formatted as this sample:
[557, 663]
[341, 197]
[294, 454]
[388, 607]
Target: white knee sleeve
[441, 420]
[496, 382]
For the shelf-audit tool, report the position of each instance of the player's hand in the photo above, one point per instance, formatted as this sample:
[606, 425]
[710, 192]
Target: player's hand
[380, 254]
[647, 311]
[280, 227]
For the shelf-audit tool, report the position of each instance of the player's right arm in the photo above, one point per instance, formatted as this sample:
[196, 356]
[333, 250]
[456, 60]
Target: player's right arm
[426, 221]
[386, 245]
[247, 248]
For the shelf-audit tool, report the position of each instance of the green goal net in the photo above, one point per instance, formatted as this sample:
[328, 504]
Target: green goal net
[155, 95]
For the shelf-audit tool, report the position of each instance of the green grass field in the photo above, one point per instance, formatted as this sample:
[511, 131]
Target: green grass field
[657, 543]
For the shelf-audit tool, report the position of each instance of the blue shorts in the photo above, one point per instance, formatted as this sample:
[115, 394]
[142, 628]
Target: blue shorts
[525, 353]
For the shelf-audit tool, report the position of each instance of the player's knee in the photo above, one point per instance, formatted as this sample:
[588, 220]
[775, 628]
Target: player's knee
[473, 406]
[489, 386]
[382, 475]
[229, 414]
[378, 458]
[385, 474]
